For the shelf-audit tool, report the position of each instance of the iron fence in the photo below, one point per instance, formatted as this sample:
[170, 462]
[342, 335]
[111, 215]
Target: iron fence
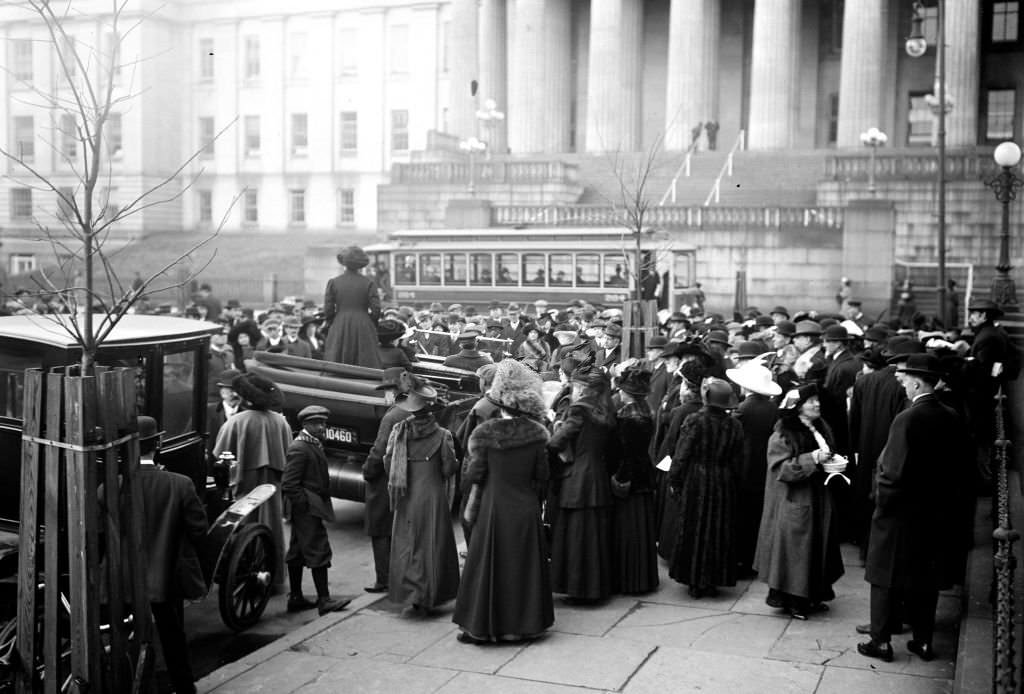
[1004, 625]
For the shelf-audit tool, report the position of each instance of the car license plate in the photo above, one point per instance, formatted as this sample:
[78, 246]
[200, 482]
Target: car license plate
[340, 435]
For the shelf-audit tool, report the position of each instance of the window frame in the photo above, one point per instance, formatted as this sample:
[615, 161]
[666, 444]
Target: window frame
[252, 138]
[910, 109]
[989, 26]
[207, 137]
[15, 259]
[204, 205]
[348, 137]
[297, 207]
[25, 147]
[22, 61]
[988, 114]
[399, 130]
[69, 142]
[300, 134]
[207, 71]
[343, 219]
[251, 67]
[115, 135]
[251, 206]
[20, 209]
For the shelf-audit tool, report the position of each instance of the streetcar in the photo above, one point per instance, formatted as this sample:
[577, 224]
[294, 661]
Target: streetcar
[475, 267]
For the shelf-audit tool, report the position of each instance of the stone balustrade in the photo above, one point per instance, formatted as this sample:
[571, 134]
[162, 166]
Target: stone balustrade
[670, 216]
[905, 165]
[509, 171]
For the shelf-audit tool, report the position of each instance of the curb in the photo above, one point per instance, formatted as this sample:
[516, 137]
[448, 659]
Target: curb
[239, 667]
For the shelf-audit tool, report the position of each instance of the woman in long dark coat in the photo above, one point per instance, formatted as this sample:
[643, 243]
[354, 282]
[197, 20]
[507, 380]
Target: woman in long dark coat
[705, 477]
[798, 548]
[634, 533]
[505, 593]
[424, 571]
[581, 555]
[351, 309]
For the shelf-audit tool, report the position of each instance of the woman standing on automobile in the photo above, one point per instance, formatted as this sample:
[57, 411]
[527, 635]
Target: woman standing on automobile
[351, 310]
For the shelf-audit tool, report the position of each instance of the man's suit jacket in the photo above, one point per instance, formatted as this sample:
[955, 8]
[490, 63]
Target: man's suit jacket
[306, 482]
[841, 373]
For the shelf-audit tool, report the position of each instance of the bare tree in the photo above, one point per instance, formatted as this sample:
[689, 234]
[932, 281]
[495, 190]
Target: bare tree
[83, 279]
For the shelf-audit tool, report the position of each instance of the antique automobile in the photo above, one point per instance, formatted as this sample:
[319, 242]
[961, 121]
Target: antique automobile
[356, 405]
[169, 356]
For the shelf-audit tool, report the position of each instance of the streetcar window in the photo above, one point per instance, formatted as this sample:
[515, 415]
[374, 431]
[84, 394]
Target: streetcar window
[430, 268]
[560, 269]
[455, 269]
[508, 268]
[480, 272]
[405, 267]
[615, 271]
[682, 270]
[179, 387]
[533, 268]
[12, 382]
[588, 270]
[381, 272]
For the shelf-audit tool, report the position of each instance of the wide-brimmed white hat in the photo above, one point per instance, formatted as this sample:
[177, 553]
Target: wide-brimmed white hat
[755, 378]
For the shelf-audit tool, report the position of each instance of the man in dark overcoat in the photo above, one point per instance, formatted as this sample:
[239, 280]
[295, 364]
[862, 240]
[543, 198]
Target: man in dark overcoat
[173, 516]
[468, 357]
[915, 489]
[377, 515]
[841, 369]
[307, 486]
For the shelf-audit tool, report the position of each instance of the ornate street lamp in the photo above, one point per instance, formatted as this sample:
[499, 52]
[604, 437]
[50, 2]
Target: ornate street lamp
[873, 138]
[489, 117]
[471, 146]
[1005, 184]
[941, 105]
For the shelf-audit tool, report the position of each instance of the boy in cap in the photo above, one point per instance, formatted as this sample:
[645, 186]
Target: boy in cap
[306, 484]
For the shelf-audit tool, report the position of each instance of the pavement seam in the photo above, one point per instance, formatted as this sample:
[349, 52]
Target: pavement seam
[631, 610]
[638, 668]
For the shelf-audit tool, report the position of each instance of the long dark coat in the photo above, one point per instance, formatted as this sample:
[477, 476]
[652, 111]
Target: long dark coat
[991, 344]
[468, 359]
[351, 310]
[877, 398]
[840, 375]
[916, 494]
[634, 531]
[306, 484]
[757, 415]
[505, 592]
[377, 516]
[797, 547]
[581, 561]
[667, 510]
[705, 471]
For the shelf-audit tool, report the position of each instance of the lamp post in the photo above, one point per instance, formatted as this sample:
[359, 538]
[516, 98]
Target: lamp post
[1005, 184]
[873, 138]
[471, 146]
[941, 104]
[489, 117]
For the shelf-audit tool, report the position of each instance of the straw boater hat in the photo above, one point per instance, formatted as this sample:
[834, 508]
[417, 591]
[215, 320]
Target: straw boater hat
[755, 378]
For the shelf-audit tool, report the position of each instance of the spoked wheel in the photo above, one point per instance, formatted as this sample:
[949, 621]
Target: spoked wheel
[248, 577]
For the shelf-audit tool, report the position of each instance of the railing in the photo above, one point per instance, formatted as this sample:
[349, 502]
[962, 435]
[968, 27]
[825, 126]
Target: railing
[683, 170]
[510, 171]
[670, 216]
[1003, 626]
[716, 189]
[906, 165]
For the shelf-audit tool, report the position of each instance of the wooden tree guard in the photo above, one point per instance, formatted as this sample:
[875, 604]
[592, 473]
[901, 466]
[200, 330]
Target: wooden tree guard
[639, 325]
[81, 553]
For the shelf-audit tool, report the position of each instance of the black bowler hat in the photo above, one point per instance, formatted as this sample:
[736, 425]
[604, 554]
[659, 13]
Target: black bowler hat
[987, 305]
[922, 365]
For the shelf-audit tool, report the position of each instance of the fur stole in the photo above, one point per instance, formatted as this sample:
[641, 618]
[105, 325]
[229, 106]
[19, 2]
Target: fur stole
[504, 434]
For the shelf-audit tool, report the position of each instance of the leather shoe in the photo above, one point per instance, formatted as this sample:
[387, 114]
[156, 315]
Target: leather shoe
[921, 649]
[299, 603]
[377, 588]
[327, 605]
[873, 649]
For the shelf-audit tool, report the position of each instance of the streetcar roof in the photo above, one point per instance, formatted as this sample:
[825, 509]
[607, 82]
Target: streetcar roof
[132, 329]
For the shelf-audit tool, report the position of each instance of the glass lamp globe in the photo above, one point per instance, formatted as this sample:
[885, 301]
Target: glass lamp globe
[1007, 154]
[916, 46]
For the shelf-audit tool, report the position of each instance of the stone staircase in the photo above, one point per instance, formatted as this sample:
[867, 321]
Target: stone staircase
[773, 179]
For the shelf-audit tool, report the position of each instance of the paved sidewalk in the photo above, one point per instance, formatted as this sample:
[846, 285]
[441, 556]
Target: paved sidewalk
[661, 642]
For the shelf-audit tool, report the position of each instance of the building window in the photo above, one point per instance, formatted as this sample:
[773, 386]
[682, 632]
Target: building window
[21, 59]
[919, 121]
[22, 263]
[252, 136]
[252, 57]
[833, 118]
[1005, 22]
[21, 203]
[68, 137]
[297, 206]
[68, 59]
[110, 206]
[206, 59]
[399, 36]
[114, 141]
[349, 131]
[446, 40]
[65, 204]
[205, 204]
[251, 208]
[206, 137]
[297, 58]
[832, 26]
[24, 138]
[300, 134]
[400, 130]
[346, 206]
[349, 44]
[1000, 116]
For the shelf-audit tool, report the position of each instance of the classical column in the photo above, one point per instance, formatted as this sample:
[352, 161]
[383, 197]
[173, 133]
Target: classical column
[493, 83]
[860, 75]
[539, 80]
[692, 83]
[773, 74]
[962, 71]
[462, 68]
[613, 94]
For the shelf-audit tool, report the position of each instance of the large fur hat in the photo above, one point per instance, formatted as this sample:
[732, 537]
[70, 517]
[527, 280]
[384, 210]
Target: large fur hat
[518, 390]
[353, 257]
[261, 393]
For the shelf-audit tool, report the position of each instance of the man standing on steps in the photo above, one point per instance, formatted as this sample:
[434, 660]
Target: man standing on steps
[306, 484]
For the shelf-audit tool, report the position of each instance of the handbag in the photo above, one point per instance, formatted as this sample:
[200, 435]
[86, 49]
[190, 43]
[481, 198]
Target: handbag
[472, 505]
[620, 489]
